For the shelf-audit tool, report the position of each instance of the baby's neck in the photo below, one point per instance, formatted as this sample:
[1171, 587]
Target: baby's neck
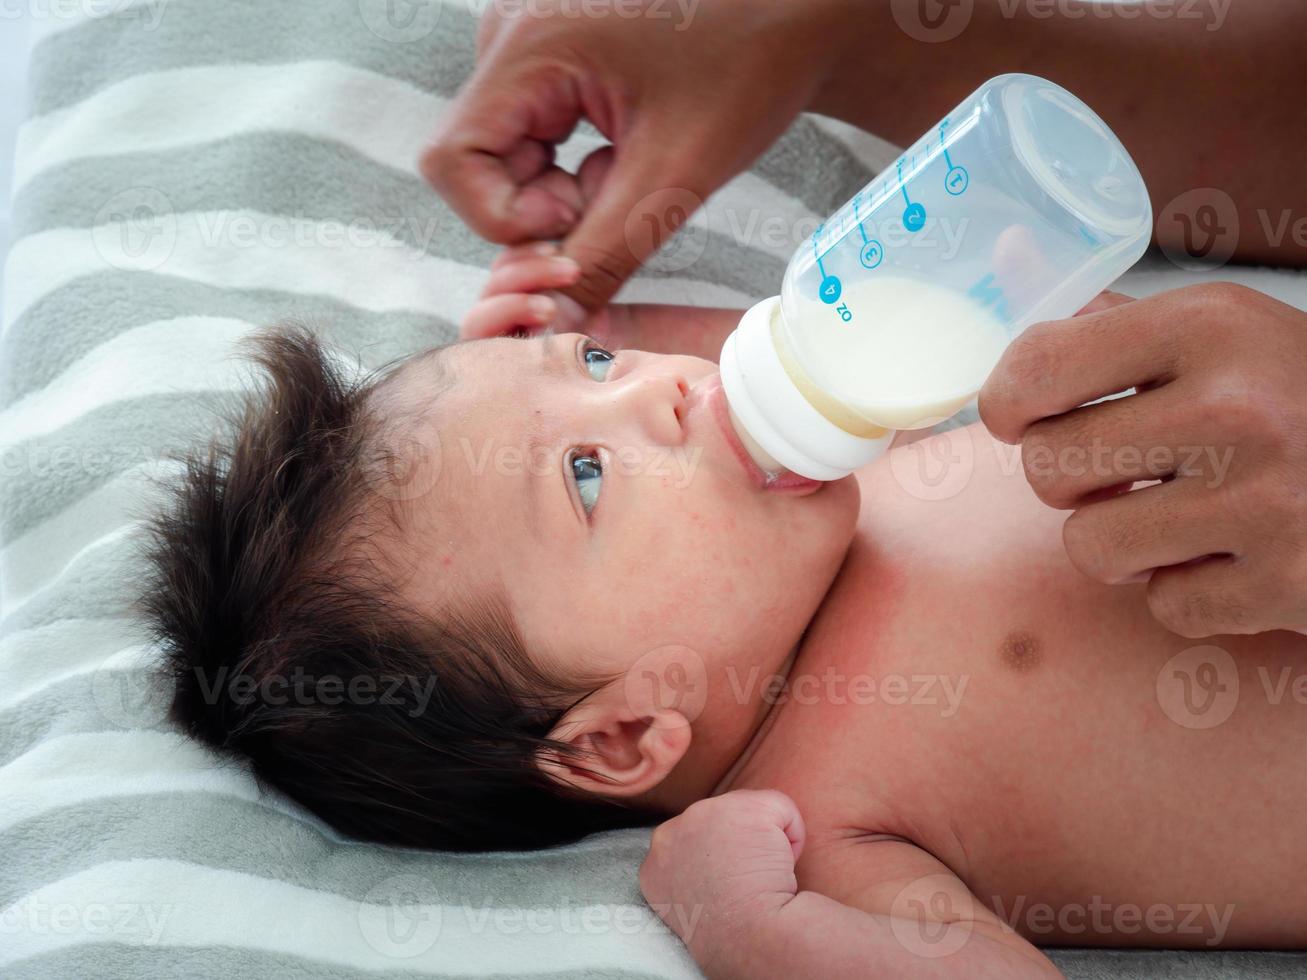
[760, 732]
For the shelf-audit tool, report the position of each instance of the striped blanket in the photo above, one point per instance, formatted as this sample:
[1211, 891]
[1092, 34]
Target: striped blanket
[191, 170]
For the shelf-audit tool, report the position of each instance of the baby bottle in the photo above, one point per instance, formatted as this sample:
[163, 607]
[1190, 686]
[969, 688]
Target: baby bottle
[1018, 207]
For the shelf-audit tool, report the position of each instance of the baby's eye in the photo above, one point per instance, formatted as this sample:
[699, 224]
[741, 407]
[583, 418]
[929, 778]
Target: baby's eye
[597, 360]
[588, 473]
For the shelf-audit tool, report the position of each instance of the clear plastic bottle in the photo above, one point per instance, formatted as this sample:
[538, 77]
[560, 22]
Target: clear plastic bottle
[1020, 206]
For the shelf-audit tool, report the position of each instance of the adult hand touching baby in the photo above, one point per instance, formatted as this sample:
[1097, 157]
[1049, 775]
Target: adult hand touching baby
[689, 95]
[1219, 417]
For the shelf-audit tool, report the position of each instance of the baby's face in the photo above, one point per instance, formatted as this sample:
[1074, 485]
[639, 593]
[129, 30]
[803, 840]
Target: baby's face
[604, 496]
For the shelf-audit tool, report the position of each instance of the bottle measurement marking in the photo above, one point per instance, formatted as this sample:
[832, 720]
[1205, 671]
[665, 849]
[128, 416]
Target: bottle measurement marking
[871, 252]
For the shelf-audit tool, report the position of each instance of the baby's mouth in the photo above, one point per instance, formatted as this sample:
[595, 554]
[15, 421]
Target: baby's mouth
[782, 481]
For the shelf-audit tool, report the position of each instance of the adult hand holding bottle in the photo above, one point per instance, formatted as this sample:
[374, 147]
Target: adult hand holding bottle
[1218, 417]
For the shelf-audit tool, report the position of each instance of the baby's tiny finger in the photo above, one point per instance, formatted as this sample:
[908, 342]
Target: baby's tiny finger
[501, 315]
[532, 275]
[518, 253]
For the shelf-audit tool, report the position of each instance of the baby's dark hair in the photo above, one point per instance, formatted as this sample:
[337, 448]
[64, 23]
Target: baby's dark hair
[264, 581]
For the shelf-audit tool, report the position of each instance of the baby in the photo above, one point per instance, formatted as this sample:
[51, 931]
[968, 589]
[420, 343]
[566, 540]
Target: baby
[515, 590]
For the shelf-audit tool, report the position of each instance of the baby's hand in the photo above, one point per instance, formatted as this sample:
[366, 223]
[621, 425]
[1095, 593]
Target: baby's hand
[521, 297]
[720, 864]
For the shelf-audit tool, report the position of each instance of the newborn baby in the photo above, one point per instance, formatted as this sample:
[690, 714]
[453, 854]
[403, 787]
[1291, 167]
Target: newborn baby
[519, 589]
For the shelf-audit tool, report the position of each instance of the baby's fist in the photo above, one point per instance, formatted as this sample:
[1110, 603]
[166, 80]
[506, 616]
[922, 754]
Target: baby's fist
[721, 864]
[521, 294]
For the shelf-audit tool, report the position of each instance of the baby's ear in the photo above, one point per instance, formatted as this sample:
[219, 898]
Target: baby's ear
[622, 753]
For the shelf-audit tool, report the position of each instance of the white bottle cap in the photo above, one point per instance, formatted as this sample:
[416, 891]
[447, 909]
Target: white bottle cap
[770, 406]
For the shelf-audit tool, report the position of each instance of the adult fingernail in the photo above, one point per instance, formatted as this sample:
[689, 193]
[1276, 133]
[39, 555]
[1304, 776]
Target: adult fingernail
[545, 248]
[565, 266]
[567, 218]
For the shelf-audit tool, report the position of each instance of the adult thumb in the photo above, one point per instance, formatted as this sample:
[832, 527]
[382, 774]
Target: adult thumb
[638, 195]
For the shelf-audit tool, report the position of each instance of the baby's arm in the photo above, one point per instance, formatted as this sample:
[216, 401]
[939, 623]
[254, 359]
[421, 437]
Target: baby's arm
[521, 277]
[735, 878]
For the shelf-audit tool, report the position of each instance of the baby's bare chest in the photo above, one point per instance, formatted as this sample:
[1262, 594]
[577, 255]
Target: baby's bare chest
[1040, 734]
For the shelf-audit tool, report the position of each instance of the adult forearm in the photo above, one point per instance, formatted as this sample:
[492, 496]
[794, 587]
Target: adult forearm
[1202, 92]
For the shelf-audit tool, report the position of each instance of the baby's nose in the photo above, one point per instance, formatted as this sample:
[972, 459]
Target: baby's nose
[657, 404]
